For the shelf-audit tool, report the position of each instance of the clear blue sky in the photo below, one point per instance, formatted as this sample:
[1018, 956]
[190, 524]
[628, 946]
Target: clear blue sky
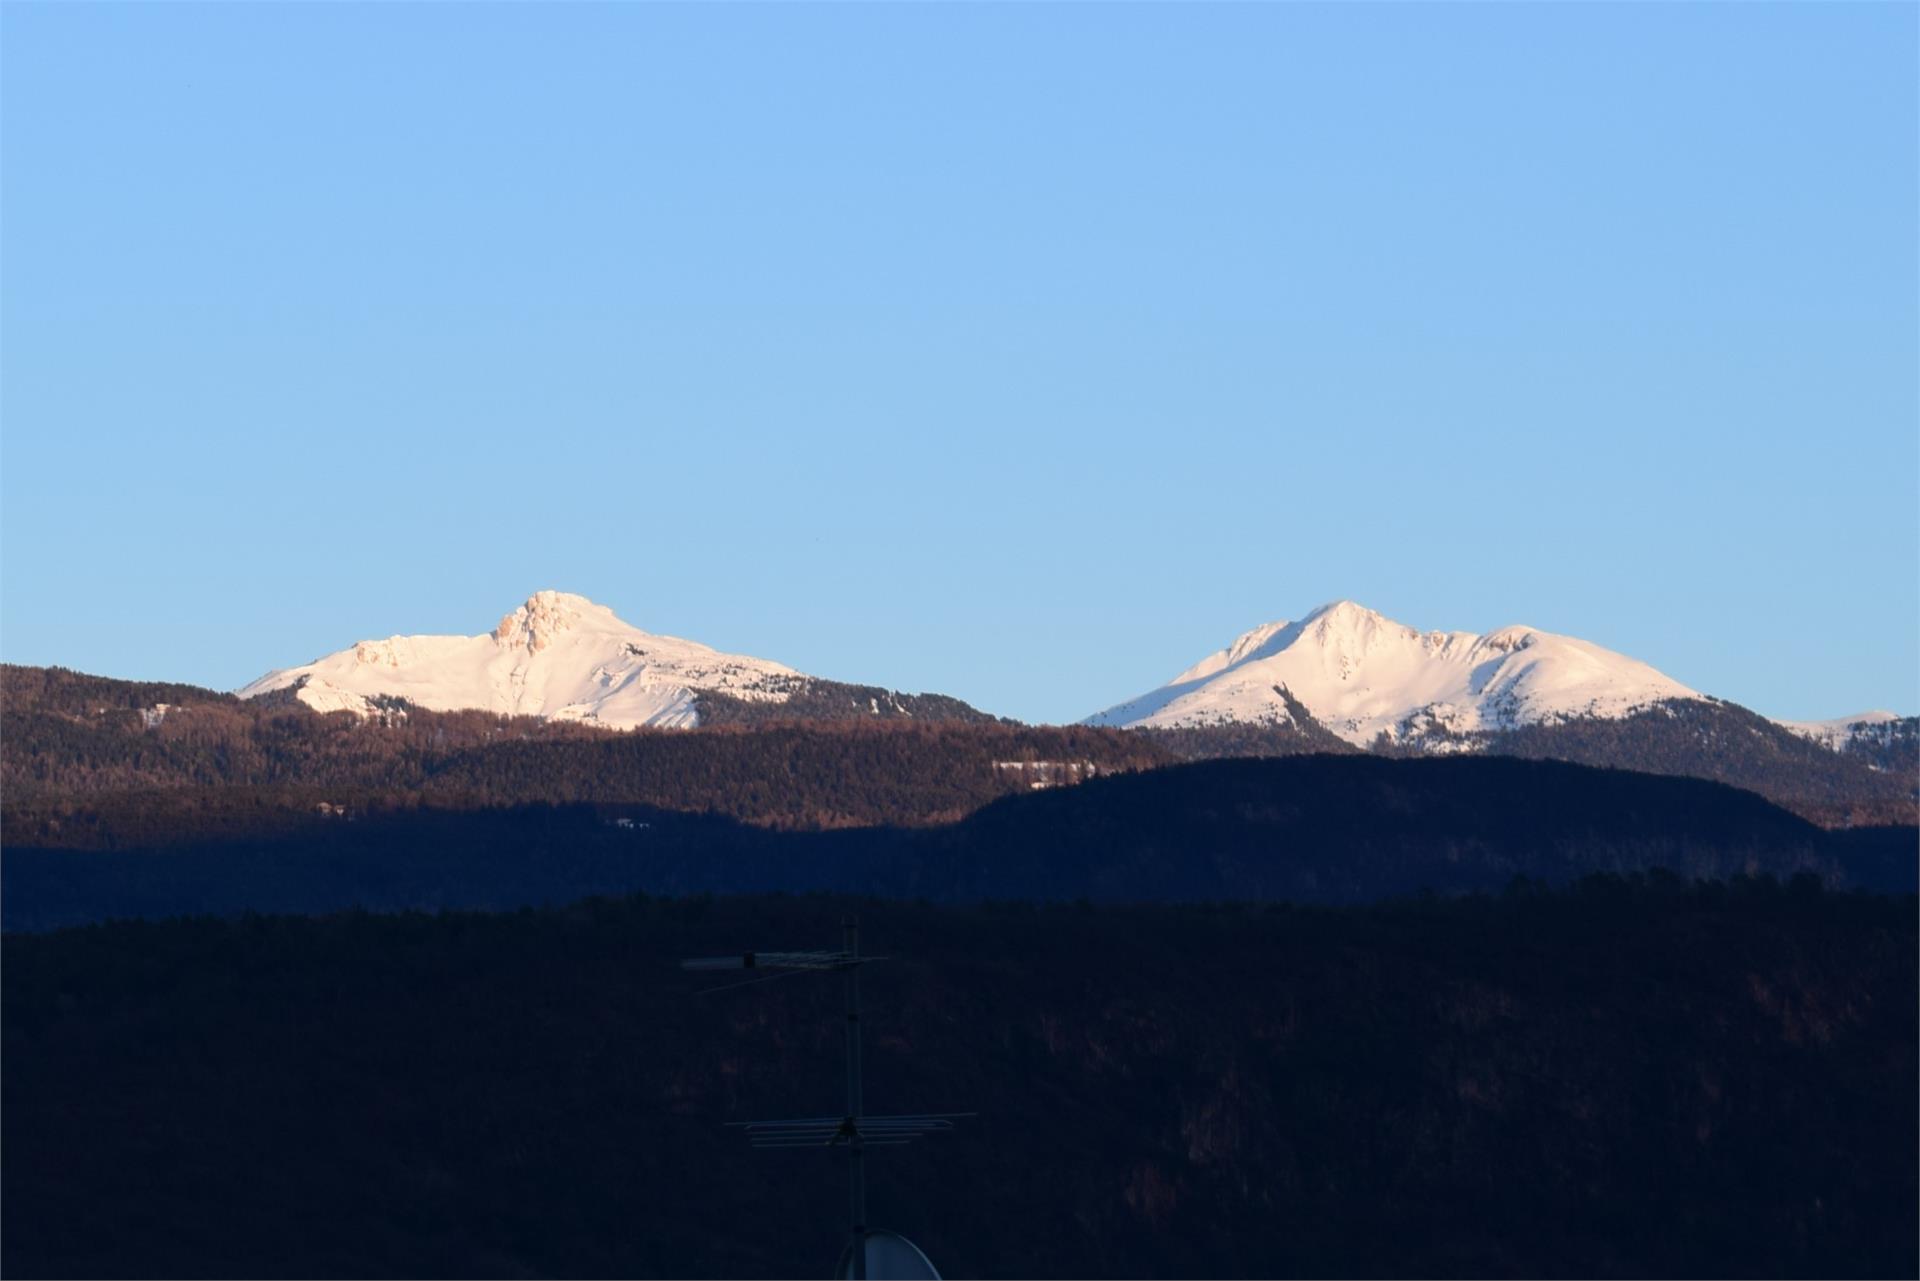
[1022, 353]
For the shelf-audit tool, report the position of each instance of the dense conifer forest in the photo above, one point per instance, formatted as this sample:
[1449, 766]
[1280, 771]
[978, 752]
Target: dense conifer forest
[1631, 1077]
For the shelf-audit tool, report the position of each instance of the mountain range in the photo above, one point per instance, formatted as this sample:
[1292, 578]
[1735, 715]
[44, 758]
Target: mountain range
[1343, 668]
[563, 701]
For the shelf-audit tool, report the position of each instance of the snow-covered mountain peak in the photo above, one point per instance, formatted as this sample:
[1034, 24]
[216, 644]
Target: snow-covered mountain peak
[1350, 631]
[1362, 674]
[1346, 615]
[1342, 626]
[548, 613]
[557, 655]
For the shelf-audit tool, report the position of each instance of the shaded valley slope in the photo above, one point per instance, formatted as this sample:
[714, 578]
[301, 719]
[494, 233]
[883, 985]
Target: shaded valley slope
[1628, 1078]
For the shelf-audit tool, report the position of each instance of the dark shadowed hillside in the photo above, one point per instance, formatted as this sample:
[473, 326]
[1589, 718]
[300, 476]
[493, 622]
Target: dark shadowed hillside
[1630, 1079]
[1346, 829]
[1312, 829]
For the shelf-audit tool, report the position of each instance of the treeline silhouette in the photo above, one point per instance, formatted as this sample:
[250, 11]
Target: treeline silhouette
[1633, 1077]
[1311, 829]
[82, 758]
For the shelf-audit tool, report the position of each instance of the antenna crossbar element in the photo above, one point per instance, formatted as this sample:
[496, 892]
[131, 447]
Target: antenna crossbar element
[827, 1131]
[916, 1120]
[779, 961]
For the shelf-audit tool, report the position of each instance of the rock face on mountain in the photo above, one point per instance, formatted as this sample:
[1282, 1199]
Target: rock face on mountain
[557, 656]
[1361, 676]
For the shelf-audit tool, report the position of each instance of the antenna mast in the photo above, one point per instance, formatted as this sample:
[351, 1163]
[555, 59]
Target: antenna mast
[856, 1130]
[856, 1142]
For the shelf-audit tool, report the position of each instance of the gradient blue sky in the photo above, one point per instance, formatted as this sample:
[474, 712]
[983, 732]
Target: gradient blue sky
[1022, 353]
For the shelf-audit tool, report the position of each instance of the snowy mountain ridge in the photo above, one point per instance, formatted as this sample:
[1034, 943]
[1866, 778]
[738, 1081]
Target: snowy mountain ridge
[558, 656]
[1362, 675]
[1353, 671]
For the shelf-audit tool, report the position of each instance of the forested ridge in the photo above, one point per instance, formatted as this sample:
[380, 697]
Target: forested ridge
[120, 761]
[1310, 829]
[1728, 743]
[1631, 1077]
[1890, 746]
[822, 700]
[82, 753]
[1874, 780]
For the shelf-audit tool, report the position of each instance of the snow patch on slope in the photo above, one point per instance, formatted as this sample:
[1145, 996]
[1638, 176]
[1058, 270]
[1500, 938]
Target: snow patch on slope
[1839, 731]
[1361, 674]
[558, 656]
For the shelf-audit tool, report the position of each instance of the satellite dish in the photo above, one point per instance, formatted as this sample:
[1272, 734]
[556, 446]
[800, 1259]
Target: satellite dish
[890, 1257]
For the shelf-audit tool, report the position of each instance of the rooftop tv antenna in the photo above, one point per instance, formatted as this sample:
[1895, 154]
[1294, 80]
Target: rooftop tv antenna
[870, 1254]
